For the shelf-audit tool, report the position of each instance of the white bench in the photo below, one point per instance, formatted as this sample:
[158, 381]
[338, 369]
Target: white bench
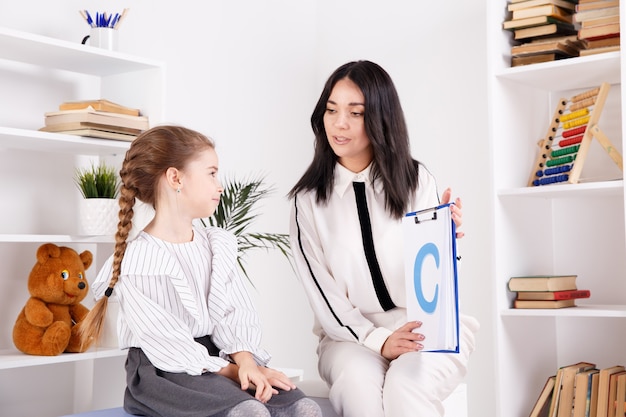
[455, 404]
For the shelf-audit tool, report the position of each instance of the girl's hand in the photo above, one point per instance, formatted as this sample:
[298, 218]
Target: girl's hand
[456, 209]
[252, 375]
[403, 340]
[278, 379]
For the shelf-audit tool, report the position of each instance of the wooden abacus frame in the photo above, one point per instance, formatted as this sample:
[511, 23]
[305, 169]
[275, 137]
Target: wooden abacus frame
[578, 121]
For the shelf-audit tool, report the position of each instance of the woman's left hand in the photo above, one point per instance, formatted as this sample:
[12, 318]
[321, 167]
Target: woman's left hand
[456, 209]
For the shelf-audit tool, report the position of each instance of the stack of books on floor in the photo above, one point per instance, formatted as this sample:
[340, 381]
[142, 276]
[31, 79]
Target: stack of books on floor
[599, 26]
[542, 30]
[582, 390]
[546, 291]
[96, 118]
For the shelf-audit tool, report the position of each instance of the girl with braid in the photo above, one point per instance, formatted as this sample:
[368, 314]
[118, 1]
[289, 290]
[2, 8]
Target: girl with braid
[191, 330]
[346, 238]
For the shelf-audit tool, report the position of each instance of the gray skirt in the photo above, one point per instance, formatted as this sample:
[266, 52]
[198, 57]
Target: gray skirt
[155, 393]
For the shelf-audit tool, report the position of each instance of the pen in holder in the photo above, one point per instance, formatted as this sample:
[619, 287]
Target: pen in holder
[103, 32]
[105, 38]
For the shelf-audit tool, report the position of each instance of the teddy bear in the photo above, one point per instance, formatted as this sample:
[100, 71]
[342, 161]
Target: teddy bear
[57, 284]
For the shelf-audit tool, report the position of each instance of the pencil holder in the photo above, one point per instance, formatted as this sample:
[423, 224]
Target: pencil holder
[102, 37]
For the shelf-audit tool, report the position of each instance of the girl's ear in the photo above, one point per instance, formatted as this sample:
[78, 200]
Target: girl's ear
[173, 178]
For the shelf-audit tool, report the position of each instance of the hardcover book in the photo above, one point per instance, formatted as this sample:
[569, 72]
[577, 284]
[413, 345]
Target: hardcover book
[568, 380]
[544, 10]
[553, 295]
[595, 14]
[531, 21]
[562, 379]
[582, 392]
[517, 61]
[99, 117]
[600, 50]
[542, 405]
[543, 283]
[566, 4]
[598, 32]
[544, 303]
[560, 28]
[604, 379]
[100, 105]
[561, 45]
[97, 133]
[598, 4]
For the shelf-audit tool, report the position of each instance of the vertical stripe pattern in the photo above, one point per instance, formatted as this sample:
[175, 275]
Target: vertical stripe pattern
[170, 294]
[368, 245]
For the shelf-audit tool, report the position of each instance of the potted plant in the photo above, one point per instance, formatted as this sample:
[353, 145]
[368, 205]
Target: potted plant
[99, 186]
[236, 213]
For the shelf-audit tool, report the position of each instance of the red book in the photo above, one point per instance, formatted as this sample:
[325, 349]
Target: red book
[553, 295]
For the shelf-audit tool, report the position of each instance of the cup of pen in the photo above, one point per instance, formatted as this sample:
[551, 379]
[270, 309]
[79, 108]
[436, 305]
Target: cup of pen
[102, 37]
[103, 29]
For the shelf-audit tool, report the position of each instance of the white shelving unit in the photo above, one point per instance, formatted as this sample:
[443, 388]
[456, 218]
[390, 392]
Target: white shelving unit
[40, 203]
[554, 229]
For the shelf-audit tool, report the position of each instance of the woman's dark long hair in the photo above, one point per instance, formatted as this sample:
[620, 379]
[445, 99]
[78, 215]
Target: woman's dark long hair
[386, 129]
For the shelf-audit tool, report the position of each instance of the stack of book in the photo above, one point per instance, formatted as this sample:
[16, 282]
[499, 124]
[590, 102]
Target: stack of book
[599, 26]
[542, 30]
[581, 390]
[96, 118]
[546, 291]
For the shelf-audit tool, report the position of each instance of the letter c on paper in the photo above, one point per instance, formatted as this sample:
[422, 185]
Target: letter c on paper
[426, 250]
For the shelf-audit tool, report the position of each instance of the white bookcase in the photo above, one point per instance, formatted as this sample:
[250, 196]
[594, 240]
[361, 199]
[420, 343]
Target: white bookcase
[39, 204]
[554, 229]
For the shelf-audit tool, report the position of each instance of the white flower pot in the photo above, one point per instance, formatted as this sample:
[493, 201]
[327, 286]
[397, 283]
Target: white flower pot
[99, 216]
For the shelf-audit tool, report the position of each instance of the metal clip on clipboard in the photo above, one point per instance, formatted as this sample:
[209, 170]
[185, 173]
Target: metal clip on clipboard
[421, 213]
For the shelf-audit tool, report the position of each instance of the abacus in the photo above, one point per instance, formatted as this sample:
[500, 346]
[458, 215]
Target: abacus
[565, 146]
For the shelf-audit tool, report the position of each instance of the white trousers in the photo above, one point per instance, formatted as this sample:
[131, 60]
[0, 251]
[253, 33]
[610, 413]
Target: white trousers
[365, 384]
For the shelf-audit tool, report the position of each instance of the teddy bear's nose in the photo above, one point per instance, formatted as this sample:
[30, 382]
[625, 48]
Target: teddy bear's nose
[81, 285]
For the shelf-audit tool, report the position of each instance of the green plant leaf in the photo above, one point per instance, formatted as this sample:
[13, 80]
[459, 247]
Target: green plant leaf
[236, 213]
[99, 181]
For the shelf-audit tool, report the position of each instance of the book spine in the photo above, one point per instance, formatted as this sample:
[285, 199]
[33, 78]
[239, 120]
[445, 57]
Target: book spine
[569, 295]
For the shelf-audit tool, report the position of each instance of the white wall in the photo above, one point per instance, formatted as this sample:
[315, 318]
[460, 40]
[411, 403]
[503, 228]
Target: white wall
[249, 72]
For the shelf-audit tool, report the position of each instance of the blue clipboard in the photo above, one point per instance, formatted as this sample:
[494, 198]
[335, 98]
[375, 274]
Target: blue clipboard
[431, 277]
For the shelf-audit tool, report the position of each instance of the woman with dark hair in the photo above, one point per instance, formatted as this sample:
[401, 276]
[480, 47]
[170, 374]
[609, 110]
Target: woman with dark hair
[346, 237]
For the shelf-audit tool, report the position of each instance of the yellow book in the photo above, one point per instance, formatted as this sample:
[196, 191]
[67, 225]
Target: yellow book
[100, 105]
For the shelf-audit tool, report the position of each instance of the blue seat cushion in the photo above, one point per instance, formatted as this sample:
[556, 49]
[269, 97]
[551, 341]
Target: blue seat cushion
[327, 410]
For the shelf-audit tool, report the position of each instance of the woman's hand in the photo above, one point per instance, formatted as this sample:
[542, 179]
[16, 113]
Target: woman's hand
[456, 209]
[403, 340]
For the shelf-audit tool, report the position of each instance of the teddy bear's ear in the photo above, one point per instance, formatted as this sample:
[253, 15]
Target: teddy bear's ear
[87, 258]
[46, 251]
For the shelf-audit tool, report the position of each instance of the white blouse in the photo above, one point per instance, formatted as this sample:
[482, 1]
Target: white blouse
[330, 260]
[170, 294]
